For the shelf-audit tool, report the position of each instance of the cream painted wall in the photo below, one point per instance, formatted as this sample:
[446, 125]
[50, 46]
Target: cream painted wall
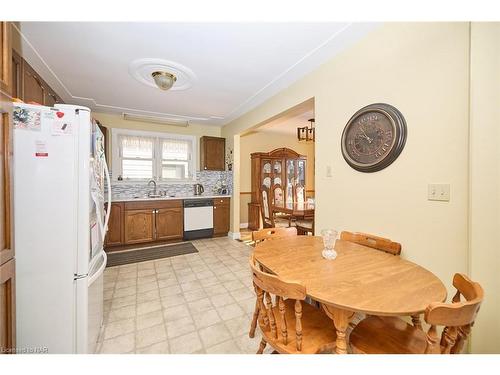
[116, 121]
[485, 181]
[422, 69]
[265, 142]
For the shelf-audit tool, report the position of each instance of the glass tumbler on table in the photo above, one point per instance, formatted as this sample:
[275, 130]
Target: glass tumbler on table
[329, 239]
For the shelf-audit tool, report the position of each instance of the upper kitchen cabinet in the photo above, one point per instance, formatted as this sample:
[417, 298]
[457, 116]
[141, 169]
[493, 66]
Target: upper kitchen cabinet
[212, 153]
[5, 58]
[17, 75]
[33, 89]
[27, 84]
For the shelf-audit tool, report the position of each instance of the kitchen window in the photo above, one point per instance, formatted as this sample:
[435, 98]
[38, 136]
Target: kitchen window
[142, 156]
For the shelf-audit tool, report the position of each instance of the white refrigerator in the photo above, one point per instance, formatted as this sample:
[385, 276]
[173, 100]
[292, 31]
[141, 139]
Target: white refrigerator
[60, 222]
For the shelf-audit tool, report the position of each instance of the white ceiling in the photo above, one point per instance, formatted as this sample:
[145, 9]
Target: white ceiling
[236, 66]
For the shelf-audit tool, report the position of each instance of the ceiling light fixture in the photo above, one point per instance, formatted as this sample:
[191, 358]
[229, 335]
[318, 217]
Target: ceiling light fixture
[306, 133]
[164, 80]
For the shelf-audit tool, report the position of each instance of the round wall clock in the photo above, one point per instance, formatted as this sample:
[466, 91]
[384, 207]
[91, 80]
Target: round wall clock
[374, 137]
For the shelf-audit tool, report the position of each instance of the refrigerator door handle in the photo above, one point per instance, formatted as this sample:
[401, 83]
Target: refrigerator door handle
[108, 211]
[98, 273]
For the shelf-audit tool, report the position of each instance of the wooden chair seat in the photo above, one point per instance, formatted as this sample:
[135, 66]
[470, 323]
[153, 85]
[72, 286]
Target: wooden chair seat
[376, 335]
[281, 222]
[307, 224]
[318, 331]
[387, 335]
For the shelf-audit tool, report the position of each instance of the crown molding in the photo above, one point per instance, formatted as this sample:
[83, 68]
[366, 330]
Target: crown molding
[337, 42]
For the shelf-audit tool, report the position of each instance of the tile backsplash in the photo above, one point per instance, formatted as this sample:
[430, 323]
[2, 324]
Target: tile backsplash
[211, 181]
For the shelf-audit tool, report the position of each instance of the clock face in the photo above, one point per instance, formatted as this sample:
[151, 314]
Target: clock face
[374, 137]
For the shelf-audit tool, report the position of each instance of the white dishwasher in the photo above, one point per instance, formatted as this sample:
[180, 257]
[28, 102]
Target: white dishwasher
[198, 218]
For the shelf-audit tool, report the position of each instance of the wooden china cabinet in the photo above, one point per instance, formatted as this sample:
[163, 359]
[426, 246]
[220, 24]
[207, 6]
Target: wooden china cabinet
[281, 168]
[7, 260]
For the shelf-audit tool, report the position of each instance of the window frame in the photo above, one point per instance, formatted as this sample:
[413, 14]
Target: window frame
[116, 165]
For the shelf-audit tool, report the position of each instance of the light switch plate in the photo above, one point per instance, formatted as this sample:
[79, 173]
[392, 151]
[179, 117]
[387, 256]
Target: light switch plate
[438, 192]
[328, 171]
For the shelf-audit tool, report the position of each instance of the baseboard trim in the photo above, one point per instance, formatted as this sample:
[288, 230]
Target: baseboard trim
[234, 235]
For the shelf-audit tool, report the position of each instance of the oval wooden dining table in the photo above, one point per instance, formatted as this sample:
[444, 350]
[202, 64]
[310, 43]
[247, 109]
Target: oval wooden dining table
[360, 279]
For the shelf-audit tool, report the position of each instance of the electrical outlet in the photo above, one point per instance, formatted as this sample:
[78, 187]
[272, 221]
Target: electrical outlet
[329, 171]
[438, 192]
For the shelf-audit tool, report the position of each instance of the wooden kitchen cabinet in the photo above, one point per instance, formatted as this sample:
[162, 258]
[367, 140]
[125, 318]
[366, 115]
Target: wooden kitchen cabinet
[7, 307]
[5, 58]
[115, 234]
[7, 261]
[27, 84]
[33, 90]
[17, 75]
[169, 223]
[139, 226]
[50, 97]
[221, 216]
[143, 222]
[212, 153]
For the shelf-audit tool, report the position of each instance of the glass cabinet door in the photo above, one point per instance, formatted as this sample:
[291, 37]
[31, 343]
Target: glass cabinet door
[266, 166]
[300, 186]
[290, 180]
[277, 167]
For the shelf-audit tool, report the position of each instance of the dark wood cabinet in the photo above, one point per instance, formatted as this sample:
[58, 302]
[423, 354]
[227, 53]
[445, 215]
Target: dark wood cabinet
[282, 171]
[50, 97]
[5, 58]
[115, 234]
[169, 223]
[141, 222]
[7, 306]
[17, 77]
[33, 90]
[139, 226]
[7, 260]
[27, 84]
[221, 216]
[212, 153]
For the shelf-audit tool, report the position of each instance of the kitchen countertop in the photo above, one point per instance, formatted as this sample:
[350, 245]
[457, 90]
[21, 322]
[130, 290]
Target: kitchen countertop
[131, 198]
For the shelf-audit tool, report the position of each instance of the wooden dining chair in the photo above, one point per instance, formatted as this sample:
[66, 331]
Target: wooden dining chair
[305, 225]
[286, 324]
[375, 335]
[271, 233]
[375, 242]
[279, 218]
[268, 218]
[257, 237]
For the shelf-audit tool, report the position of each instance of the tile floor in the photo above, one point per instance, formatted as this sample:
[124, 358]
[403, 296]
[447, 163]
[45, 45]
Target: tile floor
[194, 303]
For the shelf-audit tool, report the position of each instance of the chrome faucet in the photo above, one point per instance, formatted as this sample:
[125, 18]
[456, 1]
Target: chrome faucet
[154, 190]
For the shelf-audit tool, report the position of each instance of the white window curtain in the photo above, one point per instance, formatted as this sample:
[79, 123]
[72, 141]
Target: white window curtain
[142, 156]
[137, 154]
[175, 158]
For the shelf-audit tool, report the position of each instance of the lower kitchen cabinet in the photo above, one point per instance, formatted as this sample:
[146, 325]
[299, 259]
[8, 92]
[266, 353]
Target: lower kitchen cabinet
[7, 307]
[141, 222]
[169, 223]
[139, 226]
[221, 216]
[115, 234]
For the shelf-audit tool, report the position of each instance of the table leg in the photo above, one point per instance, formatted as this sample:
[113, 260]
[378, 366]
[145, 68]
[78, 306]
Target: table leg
[341, 319]
[415, 319]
